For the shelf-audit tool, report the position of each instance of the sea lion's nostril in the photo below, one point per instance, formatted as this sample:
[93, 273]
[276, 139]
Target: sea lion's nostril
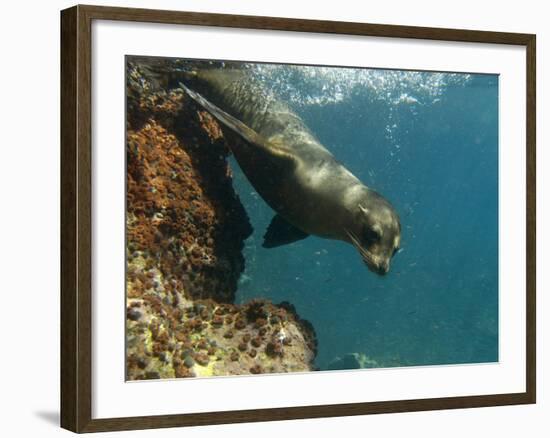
[383, 268]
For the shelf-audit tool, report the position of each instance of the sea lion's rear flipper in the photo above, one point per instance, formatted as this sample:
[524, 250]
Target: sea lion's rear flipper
[280, 232]
[244, 131]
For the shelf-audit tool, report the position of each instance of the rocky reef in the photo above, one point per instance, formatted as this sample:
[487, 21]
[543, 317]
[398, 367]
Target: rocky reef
[185, 229]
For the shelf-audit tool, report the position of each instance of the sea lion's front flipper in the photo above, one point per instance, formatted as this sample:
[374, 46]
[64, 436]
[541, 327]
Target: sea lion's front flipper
[247, 133]
[280, 232]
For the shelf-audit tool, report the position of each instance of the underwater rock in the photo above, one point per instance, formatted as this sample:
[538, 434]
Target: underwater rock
[185, 229]
[166, 338]
[352, 361]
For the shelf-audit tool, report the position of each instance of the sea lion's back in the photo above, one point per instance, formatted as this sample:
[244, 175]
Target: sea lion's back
[246, 98]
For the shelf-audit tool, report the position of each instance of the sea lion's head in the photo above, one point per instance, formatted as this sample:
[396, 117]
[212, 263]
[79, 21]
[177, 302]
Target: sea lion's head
[375, 232]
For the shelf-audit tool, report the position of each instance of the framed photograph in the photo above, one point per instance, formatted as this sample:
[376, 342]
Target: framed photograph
[268, 218]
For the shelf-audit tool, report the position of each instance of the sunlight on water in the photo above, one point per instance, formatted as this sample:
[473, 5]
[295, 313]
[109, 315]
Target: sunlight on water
[303, 86]
[330, 84]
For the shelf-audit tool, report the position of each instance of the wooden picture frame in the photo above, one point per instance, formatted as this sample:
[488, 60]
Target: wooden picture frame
[76, 218]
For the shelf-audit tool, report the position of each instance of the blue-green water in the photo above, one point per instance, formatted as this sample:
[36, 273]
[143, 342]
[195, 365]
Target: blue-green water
[428, 142]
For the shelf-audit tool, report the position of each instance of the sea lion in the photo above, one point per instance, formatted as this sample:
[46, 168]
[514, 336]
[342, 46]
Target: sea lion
[311, 192]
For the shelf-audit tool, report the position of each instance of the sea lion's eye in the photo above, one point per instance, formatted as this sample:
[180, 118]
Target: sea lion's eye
[371, 235]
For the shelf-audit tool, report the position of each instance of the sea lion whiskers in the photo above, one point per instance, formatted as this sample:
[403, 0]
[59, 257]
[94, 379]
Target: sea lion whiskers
[364, 254]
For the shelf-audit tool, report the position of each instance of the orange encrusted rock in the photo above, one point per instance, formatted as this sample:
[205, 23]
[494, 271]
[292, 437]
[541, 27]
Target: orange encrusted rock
[185, 229]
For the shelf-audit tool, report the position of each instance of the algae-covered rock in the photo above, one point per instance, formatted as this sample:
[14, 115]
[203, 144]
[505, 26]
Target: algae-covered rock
[206, 338]
[185, 230]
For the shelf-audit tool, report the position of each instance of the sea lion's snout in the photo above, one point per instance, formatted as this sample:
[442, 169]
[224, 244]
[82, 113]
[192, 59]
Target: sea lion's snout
[380, 268]
[383, 268]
